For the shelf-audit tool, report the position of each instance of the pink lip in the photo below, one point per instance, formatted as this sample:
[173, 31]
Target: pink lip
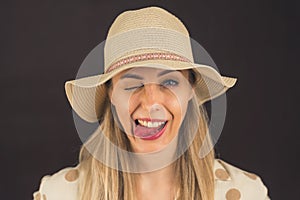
[151, 120]
[157, 135]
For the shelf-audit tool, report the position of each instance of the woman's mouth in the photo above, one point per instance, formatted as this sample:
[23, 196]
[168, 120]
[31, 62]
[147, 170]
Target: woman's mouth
[149, 129]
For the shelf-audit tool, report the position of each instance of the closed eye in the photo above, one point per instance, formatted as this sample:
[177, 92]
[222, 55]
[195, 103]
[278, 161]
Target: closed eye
[134, 87]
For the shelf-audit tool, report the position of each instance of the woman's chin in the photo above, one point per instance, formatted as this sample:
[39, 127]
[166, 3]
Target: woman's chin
[147, 148]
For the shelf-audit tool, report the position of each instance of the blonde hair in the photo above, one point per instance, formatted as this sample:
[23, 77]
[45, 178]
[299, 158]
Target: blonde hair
[194, 178]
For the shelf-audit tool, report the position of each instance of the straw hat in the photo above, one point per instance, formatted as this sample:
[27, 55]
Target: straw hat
[148, 37]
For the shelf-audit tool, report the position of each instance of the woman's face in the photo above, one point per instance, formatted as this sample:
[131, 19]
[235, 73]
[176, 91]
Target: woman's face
[150, 104]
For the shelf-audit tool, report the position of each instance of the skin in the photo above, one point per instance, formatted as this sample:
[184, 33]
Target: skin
[149, 93]
[154, 94]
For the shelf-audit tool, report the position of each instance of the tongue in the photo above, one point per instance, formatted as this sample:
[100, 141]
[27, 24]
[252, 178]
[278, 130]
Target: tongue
[143, 132]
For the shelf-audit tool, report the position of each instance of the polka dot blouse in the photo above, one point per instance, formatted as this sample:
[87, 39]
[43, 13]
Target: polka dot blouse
[231, 183]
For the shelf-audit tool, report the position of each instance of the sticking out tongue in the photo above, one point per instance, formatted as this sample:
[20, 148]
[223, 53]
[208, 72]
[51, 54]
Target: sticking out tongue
[145, 132]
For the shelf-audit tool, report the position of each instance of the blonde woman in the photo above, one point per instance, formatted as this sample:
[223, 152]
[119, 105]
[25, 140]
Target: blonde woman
[153, 139]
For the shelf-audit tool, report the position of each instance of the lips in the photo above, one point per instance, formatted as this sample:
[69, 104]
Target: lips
[149, 129]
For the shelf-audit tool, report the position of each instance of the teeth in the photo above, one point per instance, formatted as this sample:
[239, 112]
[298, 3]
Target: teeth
[151, 124]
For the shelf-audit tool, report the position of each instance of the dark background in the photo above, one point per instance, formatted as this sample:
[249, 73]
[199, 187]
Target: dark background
[44, 42]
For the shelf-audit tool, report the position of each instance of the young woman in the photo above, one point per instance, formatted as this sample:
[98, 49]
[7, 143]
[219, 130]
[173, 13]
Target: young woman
[153, 126]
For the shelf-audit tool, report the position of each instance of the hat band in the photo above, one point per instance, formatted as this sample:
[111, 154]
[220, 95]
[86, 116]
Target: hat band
[164, 40]
[146, 56]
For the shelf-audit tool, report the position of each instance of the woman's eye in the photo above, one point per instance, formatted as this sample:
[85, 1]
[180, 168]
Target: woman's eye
[169, 83]
[134, 87]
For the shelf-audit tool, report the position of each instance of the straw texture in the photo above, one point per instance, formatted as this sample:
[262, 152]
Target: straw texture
[140, 38]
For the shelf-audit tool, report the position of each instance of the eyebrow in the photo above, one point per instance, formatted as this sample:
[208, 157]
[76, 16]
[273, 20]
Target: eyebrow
[134, 76]
[165, 72]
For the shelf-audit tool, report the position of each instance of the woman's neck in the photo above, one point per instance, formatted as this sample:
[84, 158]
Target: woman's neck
[159, 184]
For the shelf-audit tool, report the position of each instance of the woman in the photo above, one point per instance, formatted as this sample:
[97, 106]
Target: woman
[152, 122]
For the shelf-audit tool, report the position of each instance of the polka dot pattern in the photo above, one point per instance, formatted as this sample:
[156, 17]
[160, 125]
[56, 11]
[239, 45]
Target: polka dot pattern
[233, 194]
[231, 183]
[37, 196]
[221, 174]
[250, 175]
[72, 175]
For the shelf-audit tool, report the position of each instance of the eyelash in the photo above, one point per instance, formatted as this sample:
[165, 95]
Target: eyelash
[135, 87]
[166, 83]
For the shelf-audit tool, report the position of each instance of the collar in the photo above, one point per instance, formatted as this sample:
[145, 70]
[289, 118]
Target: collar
[220, 172]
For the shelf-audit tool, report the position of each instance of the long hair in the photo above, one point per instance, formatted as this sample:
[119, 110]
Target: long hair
[194, 176]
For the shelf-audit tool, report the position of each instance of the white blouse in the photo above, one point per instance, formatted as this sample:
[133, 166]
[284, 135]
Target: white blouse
[231, 183]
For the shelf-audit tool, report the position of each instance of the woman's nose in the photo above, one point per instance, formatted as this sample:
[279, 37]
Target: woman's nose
[151, 95]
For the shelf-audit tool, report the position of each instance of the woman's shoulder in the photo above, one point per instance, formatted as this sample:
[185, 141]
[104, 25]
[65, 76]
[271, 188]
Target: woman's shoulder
[231, 182]
[61, 185]
[235, 183]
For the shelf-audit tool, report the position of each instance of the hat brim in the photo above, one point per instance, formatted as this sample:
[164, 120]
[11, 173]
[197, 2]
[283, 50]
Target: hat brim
[87, 98]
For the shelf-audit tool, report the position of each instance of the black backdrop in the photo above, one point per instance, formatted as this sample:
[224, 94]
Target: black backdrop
[44, 42]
